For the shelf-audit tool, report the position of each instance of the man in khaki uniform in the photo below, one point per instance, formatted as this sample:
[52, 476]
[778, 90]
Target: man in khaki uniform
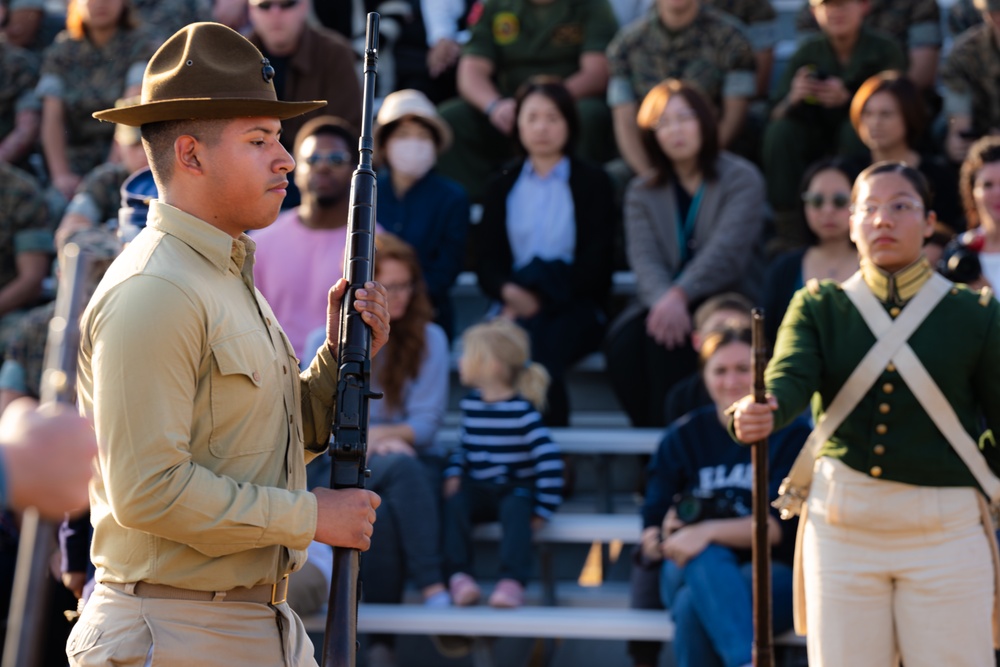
[198, 503]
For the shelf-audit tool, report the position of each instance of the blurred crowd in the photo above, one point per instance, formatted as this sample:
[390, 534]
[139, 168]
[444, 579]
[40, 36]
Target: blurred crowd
[542, 145]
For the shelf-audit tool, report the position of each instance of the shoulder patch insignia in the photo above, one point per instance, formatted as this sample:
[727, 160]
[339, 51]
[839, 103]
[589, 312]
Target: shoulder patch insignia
[506, 28]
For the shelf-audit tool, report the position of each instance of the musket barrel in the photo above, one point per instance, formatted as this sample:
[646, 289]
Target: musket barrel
[760, 545]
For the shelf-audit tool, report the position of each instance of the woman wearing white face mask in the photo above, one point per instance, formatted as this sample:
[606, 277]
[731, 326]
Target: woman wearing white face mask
[425, 209]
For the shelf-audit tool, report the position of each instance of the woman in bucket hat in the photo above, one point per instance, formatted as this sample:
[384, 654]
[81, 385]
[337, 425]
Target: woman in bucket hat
[199, 506]
[425, 209]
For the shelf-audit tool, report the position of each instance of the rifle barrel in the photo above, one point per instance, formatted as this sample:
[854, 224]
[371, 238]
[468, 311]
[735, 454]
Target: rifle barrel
[350, 430]
[763, 639]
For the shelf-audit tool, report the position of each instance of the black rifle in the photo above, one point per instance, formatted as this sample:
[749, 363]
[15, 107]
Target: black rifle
[350, 427]
[763, 639]
[26, 622]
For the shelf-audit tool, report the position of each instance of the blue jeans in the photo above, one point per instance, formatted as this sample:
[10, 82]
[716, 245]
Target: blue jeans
[711, 604]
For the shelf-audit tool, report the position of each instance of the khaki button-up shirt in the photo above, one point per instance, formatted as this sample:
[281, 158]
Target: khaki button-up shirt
[200, 414]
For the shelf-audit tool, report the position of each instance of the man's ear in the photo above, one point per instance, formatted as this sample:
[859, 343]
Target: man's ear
[186, 152]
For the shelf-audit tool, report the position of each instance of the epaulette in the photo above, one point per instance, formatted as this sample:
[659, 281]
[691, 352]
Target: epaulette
[985, 296]
[813, 286]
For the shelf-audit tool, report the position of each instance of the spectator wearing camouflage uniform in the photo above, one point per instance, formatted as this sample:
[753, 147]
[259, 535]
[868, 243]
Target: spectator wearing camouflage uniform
[25, 246]
[169, 16]
[512, 41]
[99, 58]
[98, 197]
[20, 109]
[29, 25]
[971, 78]
[681, 40]
[21, 371]
[914, 24]
[809, 118]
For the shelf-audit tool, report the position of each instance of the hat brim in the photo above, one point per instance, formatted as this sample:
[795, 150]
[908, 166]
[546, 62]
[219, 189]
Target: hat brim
[205, 109]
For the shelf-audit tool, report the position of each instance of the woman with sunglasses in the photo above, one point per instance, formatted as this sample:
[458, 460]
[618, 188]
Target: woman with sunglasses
[896, 546]
[830, 255]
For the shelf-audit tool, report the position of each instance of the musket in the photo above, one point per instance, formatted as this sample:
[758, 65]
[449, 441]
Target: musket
[350, 427]
[26, 621]
[763, 633]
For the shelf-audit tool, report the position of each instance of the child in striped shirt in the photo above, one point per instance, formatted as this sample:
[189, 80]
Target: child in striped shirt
[506, 466]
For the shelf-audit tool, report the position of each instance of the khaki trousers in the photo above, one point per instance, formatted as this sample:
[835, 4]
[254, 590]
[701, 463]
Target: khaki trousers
[894, 571]
[121, 630]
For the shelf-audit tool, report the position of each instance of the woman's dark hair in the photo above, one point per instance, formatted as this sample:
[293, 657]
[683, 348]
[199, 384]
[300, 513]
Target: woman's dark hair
[839, 164]
[985, 151]
[77, 29]
[911, 103]
[553, 89]
[915, 178]
[717, 339]
[649, 117]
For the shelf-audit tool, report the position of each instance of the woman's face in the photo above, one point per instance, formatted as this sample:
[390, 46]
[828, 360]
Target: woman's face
[882, 124]
[542, 128]
[727, 374]
[889, 223]
[827, 204]
[677, 131]
[101, 14]
[986, 193]
[395, 276]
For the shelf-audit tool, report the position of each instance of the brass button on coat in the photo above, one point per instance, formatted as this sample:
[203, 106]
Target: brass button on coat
[876, 471]
[891, 368]
[888, 388]
[884, 408]
[879, 450]
[894, 311]
[881, 429]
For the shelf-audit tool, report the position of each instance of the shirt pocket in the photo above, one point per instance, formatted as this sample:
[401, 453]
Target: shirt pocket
[243, 393]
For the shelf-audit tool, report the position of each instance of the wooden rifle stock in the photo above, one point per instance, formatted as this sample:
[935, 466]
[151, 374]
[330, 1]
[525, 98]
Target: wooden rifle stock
[763, 633]
[30, 594]
[350, 427]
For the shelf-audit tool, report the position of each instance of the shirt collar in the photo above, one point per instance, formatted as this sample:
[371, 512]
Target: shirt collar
[218, 247]
[559, 172]
[897, 287]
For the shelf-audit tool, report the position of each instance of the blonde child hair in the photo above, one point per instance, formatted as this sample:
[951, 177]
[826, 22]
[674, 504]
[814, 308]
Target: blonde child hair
[509, 345]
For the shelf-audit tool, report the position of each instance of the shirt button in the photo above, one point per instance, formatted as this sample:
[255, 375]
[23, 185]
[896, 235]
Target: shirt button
[256, 376]
[891, 368]
[881, 429]
[884, 408]
[894, 311]
[888, 388]
[876, 471]
[879, 450]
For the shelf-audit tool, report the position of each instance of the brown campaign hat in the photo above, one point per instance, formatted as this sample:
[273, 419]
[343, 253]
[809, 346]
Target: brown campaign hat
[206, 71]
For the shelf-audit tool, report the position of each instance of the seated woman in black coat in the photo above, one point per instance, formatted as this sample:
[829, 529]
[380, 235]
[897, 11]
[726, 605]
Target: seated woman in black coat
[543, 246]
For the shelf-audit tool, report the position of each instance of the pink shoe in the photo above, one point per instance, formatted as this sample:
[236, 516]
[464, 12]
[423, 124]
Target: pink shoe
[507, 594]
[464, 589]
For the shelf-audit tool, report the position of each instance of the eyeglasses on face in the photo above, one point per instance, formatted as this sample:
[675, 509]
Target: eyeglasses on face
[265, 5]
[336, 158]
[895, 209]
[398, 288]
[838, 200]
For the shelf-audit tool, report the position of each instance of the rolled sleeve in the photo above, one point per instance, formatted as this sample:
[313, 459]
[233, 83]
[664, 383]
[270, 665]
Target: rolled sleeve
[956, 103]
[762, 34]
[620, 91]
[925, 35]
[33, 240]
[739, 83]
[50, 85]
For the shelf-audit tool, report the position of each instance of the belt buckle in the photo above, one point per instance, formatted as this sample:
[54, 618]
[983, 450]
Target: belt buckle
[284, 593]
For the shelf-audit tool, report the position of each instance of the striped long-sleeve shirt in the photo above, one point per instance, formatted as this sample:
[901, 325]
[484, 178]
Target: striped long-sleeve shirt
[506, 442]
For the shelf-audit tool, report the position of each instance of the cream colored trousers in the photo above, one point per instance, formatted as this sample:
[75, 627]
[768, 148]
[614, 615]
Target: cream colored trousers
[120, 630]
[895, 572]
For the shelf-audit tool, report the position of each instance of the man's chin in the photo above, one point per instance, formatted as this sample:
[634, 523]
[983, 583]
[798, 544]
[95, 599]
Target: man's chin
[327, 201]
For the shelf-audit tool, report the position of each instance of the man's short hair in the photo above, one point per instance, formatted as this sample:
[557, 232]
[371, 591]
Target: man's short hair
[328, 126]
[158, 140]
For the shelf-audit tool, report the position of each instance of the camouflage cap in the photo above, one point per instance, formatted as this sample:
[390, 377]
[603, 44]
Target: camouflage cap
[987, 5]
